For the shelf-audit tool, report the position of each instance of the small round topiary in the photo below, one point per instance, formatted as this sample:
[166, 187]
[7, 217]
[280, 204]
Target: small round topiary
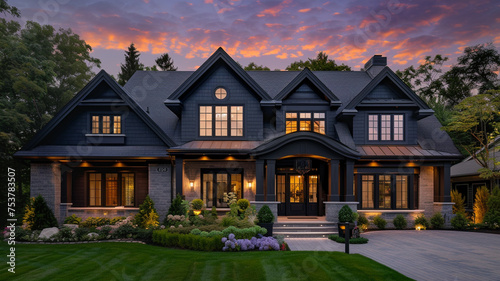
[379, 222]
[422, 222]
[265, 215]
[243, 204]
[346, 214]
[400, 222]
[437, 221]
[459, 221]
[197, 204]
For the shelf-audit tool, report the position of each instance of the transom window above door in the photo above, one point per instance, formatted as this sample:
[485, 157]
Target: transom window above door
[305, 121]
[221, 121]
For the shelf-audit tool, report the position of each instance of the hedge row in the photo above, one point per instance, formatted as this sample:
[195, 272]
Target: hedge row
[187, 241]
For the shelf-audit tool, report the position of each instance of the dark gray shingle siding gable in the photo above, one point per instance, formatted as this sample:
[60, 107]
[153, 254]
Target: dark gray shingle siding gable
[238, 94]
[431, 136]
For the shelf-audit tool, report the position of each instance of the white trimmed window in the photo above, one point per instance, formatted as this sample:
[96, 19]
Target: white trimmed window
[221, 121]
[106, 124]
[305, 121]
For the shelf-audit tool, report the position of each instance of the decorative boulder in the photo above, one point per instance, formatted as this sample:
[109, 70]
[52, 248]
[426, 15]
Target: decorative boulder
[93, 235]
[48, 232]
[72, 226]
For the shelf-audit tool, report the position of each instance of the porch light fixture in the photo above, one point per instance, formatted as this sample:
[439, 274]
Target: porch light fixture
[191, 184]
[250, 185]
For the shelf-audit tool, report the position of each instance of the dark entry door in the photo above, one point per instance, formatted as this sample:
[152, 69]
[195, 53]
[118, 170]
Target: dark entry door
[298, 194]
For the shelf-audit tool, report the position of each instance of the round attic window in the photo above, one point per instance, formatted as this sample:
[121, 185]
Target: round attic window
[220, 93]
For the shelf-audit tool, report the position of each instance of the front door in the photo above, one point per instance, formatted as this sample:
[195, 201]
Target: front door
[298, 194]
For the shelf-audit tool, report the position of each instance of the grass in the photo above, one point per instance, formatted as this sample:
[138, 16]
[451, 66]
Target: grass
[131, 261]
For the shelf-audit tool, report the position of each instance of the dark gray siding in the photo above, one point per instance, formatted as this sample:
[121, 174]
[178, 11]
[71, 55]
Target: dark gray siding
[386, 91]
[360, 127]
[304, 94]
[238, 94]
[72, 130]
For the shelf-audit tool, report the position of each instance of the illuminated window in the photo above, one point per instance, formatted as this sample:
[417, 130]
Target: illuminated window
[221, 121]
[220, 93]
[305, 121]
[217, 182]
[367, 184]
[383, 191]
[236, 120]
[386, 127]
[205, 120]
[106, 124]
[105, 188]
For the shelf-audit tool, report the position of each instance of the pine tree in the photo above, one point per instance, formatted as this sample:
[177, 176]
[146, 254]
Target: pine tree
[131, 65]
[166, 63]
[147, 216]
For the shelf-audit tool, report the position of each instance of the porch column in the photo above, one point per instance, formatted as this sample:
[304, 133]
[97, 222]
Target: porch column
[271, 170]
[46, 181]
[447, 182]
[334, 180]
[349, 177]
[259, 177]
[179, 171]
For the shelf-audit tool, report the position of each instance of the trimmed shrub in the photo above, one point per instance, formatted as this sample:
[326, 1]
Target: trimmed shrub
[29, 214]
[81, 233]
[42, 216]
[459, 200]
[459, 222]
[187, 241]
[492, 218]
[363, 222]
[73, 219]
[437, 221]
[338, 239]
[228, 221]
[177, 207]
[197, 204]
[243, 204]
[422, 222]
[400, 222]
[213, 213]
[94, 222]
[379, 222]
[346, 214]
[147, 216]
[265, 215]
[481, 204]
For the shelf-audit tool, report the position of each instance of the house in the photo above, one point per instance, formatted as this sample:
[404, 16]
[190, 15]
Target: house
[465, 175]
[303, 142]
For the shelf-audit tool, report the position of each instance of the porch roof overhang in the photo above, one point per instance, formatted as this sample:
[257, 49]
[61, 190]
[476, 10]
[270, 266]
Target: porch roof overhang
[215, 147]
[404, 152]
[305, 143]
[93, 152]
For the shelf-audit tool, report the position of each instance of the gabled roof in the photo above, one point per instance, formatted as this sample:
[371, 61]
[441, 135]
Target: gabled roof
[387, 73]
[219, 55]
[79, 98]
[307, 75]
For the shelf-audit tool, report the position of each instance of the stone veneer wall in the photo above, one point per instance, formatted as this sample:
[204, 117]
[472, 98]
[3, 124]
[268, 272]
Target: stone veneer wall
[271, 204]
[426, 190]
[160, 187]
[46, 181]
[192, 172]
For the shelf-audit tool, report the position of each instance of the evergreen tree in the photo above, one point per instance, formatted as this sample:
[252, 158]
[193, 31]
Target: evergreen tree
[166, 63]
[320, 63]
[131, 65]
[147, 216]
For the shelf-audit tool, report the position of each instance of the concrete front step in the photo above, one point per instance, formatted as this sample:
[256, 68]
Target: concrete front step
[303, 234]
[306, 229]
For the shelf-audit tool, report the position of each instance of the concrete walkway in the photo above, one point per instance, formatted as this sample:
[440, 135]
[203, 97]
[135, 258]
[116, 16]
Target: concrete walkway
[423, 255]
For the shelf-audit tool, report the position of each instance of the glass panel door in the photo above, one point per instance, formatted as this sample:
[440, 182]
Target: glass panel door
[281, 185]
[384, 191]
[112, 189]
[236, 185]
[313, 189]
[222, 187]
[296, 189]
[208, 191]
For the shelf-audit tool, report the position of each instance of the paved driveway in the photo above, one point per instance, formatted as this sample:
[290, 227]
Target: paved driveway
[424, 255]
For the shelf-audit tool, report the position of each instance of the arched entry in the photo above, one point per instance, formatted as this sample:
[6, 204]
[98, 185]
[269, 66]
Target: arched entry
[300, 188]
[301, 185]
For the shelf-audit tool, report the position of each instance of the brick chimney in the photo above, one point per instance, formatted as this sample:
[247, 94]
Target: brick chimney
[375, 65]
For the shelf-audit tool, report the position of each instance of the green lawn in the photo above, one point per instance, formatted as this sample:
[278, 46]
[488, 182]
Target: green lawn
[127, 261]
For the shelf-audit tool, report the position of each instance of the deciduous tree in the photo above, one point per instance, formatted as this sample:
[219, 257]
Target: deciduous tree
[321, 62]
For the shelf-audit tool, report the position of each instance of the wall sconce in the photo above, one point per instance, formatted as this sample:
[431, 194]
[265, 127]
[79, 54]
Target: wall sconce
[250, 185]
[191, 184]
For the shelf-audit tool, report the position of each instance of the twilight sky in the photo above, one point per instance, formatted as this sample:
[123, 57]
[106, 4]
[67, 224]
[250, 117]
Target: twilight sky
[273, 33]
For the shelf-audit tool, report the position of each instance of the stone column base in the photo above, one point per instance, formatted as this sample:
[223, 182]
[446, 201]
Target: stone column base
[273, 205]
[446, 210]
[332, 209]
[63, 210]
